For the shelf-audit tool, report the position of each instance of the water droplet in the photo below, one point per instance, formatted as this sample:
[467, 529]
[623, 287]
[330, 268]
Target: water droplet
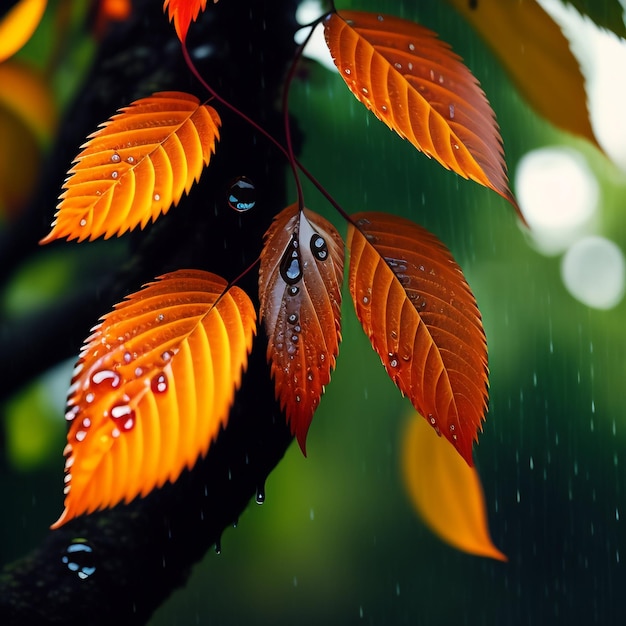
[86, 422]
[347, 71]
[107, 378]
[90, 397]
[159, 383]
[292, 318]
[138, 372]
[293, 290]
[83, 222]
[451, 110]
[365, 90]
[116, 158]
[381, 18]
[156, 197]
[160, 317]
[411, 47]
[115, 174]
[319, 247]
[366, 300]
[167, 356]
[394, 334]
[290, 267]
[260, 494]
[123, 415]
[79, 558]
[128, 357]
[72, 413]
[80, 435]
[130, 159]
[295, 338]
[398, 66]
[393, 360]
[242, 194]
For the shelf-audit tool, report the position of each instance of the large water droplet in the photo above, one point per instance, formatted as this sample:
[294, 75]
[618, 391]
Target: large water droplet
[108, 378]
[123, 415]
[79, 558]
[290, 267]
[319, 247]
[242, 194]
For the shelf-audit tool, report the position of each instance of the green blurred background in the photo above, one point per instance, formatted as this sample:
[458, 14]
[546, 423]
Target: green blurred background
[337, 540]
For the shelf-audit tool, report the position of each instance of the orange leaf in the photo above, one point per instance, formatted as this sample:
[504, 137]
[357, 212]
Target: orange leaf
[152, 388]
[300, 292]
[182, 13]
[18, 25]
[135, 166]
[422, 90]
[421, 317]
[446, 492]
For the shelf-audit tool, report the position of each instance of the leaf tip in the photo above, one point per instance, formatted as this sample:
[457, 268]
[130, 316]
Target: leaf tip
[301, 435]
[65, 517]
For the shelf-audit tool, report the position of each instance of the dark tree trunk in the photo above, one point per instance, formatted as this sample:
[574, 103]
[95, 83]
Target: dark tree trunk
[118, 566]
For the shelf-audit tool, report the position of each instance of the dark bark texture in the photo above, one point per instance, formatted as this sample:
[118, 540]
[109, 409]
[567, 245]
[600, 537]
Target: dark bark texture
[118, 566]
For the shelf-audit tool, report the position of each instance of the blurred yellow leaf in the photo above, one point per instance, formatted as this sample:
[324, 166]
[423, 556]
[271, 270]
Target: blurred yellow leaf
[445, 491]
[537, 57]
[24, 92]
[18, 26]
[19, 164]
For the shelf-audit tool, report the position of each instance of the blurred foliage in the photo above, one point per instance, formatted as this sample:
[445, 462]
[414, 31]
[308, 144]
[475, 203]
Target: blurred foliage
[608, 13]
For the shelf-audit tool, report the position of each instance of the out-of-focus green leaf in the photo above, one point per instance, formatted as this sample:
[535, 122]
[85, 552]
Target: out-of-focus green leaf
[34, 431]
[606, 13]
[537, 57]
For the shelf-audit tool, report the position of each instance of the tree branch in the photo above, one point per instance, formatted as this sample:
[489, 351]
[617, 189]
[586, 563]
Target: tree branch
[124, 562]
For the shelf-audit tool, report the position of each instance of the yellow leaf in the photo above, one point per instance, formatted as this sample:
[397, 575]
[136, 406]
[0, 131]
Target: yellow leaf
[445, 491]
[136, 166]
[536, 55]
[24, 92]
[18, 26]
[153, 387]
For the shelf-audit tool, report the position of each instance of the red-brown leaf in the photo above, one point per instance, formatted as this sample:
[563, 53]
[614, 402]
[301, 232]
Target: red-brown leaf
[136, 166]
[414, 83]
[152, 388]
[300, 292]
[421, 317]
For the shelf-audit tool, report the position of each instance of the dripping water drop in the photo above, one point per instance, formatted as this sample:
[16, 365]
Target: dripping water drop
[79, 558]
[242, 194]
